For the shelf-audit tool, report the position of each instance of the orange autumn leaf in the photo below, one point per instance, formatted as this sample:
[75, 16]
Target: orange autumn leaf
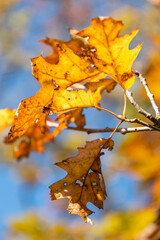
[33, 110]
[35, 142]
[7, 117]
[84, 182]
[64, 119]
[91, 54]
[112, 53]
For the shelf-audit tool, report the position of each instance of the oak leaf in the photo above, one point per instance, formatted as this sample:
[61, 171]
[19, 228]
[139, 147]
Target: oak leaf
[112, 53]
[84, 182]
[90, 55]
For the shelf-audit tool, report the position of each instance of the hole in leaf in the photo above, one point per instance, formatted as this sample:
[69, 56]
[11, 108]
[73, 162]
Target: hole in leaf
[79, 182]
[90, 171]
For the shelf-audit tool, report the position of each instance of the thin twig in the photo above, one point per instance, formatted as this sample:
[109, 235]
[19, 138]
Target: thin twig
[119, 130]
[149, 94]
[139, 109]
[139, 121]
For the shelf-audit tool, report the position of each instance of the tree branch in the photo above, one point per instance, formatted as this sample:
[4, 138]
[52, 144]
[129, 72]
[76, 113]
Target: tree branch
[139, 121]
[146, 127]
[139, 109]
[119, 130]
[108, 129]
[149, 94]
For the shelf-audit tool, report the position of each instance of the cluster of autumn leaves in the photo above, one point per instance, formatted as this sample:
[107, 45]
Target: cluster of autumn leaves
[74, 77]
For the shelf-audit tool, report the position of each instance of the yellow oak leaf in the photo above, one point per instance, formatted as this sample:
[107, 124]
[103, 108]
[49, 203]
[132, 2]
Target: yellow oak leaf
[64, 119]
[7, 117]
[84, 182]
[90, 55]
[112, 53]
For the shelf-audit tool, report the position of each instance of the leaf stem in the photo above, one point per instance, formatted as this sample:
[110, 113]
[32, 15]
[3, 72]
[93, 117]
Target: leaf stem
[139, 109]
[106, 110]
[115, 129]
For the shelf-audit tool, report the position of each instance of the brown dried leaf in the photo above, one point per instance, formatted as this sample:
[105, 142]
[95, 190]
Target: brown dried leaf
[84, 182]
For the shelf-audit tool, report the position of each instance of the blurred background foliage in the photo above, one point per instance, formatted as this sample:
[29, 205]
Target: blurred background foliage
[131, 171]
